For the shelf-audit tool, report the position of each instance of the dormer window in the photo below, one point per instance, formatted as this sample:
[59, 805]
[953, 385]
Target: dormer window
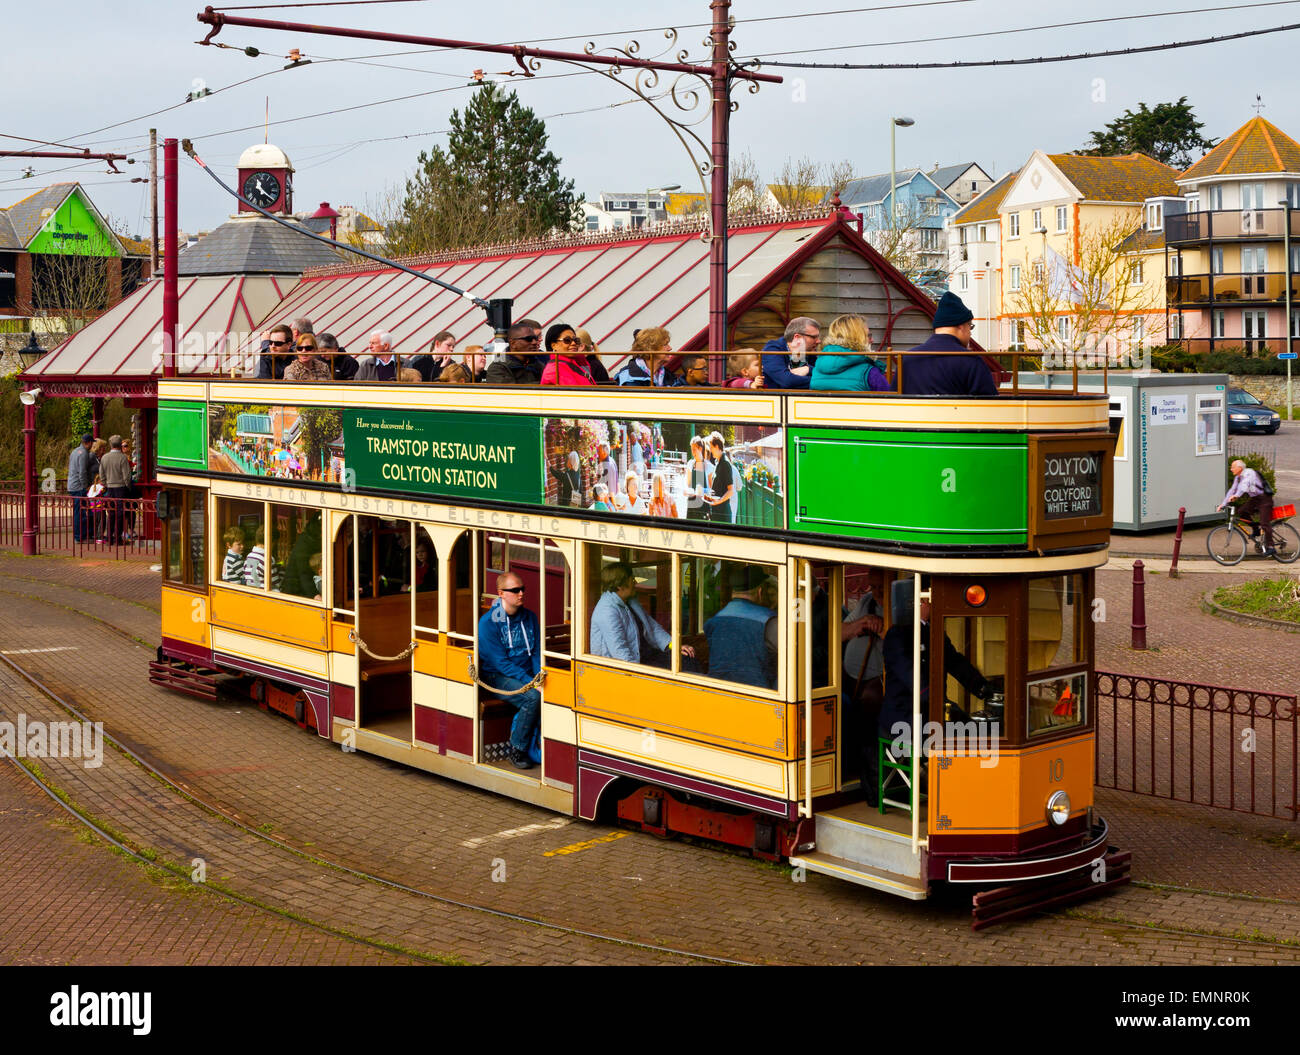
[1155, 216]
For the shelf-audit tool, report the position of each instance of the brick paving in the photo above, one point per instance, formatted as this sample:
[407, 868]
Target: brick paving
[347, 808]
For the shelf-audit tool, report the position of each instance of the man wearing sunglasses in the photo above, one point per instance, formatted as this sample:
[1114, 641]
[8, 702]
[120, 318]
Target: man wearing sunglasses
[509, 657]
[276, 353]
[518, 368]
[786, 362]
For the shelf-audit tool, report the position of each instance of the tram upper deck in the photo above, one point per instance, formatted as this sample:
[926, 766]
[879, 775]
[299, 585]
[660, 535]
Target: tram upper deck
[928, 476]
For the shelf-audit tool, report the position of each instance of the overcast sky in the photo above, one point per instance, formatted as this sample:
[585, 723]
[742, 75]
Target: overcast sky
[77, 66]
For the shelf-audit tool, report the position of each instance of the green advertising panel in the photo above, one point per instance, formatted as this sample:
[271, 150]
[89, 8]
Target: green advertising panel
[182, 434]
[495, 456]
[927, 488]
[73, 229]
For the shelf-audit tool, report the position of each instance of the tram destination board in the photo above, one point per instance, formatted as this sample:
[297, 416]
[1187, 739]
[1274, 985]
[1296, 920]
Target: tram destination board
[1072, 485]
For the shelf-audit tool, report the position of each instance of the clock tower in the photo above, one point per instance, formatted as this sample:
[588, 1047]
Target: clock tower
[266, 179]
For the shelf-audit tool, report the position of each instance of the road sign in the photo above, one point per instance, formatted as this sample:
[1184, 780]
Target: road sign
[1287, 355]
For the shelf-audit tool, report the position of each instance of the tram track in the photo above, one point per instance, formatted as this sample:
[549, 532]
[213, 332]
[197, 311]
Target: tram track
[83, 817]
[1101, 921]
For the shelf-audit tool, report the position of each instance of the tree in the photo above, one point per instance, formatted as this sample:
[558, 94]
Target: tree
[1100, 295]
[495, 182]
[905, 246]
[1168, 133]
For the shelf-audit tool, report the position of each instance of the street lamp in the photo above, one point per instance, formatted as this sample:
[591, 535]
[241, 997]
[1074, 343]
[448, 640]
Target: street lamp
[898, 122]
[1286, 252]
[658, 190]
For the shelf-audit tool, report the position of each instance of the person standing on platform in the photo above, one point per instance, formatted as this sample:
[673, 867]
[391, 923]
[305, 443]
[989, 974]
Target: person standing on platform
[115, 470]
[82, 467]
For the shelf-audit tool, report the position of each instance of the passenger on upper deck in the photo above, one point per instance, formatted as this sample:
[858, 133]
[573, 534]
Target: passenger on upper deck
[454, 374]
[844, 364]
[343, 366]
[509, 652]
[568, 366]
[383, 364]
[517, 367]
[785, 362]
[695, 371]
[592, 351]
[620, 628]
[307, 367]
[743, 634]
[746, 368]
[948, 375]
[275, 352]
[475, 362]
[646, 367]
[431, 363]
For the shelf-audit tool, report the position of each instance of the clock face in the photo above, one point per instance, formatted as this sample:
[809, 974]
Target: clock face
[262, 189]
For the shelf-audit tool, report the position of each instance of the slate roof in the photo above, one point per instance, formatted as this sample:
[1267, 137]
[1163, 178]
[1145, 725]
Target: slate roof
[1127, 178]
[985, 207]
[8, 236]
[871, 189]
[253, 245]
[944, 176]
[1255, 147]
[25, 216]
[1143, 241]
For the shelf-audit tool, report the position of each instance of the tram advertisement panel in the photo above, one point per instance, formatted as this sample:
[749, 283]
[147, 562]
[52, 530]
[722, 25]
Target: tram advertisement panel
[290, 443]
[711, 471]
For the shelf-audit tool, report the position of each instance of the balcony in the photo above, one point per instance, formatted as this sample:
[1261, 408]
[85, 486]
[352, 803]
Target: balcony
[1230, 225]
[1267, 287]
[1263, 347]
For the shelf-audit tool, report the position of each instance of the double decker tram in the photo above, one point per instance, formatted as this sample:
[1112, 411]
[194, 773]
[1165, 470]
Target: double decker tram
[698, 561]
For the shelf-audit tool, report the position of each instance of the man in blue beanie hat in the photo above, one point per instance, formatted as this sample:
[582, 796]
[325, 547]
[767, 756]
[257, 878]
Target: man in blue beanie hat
[943, 374]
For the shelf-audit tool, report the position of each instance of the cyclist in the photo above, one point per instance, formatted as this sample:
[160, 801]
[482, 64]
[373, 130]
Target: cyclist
[1257, 502]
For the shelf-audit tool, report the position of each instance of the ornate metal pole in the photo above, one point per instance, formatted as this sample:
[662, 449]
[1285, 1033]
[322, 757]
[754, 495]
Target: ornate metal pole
[720, 177]
[171, 298]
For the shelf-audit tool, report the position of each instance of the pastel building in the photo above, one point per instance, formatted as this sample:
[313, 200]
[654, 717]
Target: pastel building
[921, 207]
[1228, 266]
[975, 260]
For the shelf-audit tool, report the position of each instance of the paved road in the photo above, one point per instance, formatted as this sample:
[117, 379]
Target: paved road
[453, 839]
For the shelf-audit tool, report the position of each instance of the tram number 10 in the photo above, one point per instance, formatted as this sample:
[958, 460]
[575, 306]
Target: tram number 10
[1056, 770]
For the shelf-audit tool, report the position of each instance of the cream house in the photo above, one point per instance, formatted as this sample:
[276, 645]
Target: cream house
[975, 260]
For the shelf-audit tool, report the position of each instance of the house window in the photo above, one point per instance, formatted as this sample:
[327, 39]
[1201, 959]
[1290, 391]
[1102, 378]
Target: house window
[983, 233]
[1063, 329]
[1215, 196]
[1139, 331]
[1038, 220]
[1175, 266]
[1216, 261]
[1038, 271]
[965, 281]
[974, 186]
[1136, 274]
[593, 223]
[1062, 218]
[1218, 324]
[929, 239]
[1155, 217]
[961, 235]
[1017, 334]
[1014, 282]
[1293, 195]
[1013, 225]
[931, 206]
[1193, 203]
[1175, 327]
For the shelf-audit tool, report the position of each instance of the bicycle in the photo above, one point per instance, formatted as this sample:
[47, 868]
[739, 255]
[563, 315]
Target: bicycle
[1228, 542]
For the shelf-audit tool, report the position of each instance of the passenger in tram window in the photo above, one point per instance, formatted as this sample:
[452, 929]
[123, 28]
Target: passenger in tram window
[592, 353]
[509, 653]
[606, 468]
[651, 348]
[661, 505]
[382, 364]
[845, 363]
[636, 502]
[786, 360]
[743, 635]
[567, 366]
[343, 366]
[255, 565]
[695, 371]
[307, 367]
[394, 559]
[314, 563]
[298, 575]
[232, 568]
[454, 374]
[426, 568]
[602, 503]
[569, 478]
[745, 368]
[517, 367]
[699, 481]
[943, 374]
[723, 496]
[475, 362]
[620, 627]
[275, 355]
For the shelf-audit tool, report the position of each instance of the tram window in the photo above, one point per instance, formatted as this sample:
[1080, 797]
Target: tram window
[424, 581]
[239, 522]
[393, 556]
[185, 537]
[342, 564]
[295, 550]
[983, 641]
[195, 509]
[558, 646]
[460, 572]
[629, 606]
[1055, 699]
[729, 615]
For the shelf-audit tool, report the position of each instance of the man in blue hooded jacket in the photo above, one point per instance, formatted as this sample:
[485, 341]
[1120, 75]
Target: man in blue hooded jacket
[510, 656]
[943, 374]
[786, 362]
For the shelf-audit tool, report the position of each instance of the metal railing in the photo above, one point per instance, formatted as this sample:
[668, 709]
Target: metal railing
[1209, 745]
[116, 528]
[1222, 224]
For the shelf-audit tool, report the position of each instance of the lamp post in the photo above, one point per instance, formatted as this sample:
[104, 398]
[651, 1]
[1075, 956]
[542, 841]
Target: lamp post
[897, 122]
[658, 190]
[1286, 252]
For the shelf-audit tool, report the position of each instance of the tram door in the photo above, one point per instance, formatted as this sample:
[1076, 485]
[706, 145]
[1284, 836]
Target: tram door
[385, 556]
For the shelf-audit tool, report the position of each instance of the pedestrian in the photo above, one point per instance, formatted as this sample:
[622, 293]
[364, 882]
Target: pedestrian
[83, 467]
[116, 473]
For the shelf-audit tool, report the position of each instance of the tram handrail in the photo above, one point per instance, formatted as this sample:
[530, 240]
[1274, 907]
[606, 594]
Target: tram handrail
[806, 581]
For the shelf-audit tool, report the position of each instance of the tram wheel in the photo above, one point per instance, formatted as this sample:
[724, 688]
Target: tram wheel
[1226, 545]
[1286, 543]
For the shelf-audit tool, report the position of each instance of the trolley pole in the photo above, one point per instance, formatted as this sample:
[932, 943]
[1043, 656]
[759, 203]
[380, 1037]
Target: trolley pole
[1139, 608]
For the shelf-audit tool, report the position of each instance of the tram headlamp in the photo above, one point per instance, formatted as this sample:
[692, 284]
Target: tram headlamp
[1058, 808]
[976, 596]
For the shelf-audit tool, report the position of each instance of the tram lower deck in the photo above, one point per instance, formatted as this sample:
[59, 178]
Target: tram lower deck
[750, 684]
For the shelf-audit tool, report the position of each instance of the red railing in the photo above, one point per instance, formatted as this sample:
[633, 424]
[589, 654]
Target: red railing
[1232, 749]
[117, 528]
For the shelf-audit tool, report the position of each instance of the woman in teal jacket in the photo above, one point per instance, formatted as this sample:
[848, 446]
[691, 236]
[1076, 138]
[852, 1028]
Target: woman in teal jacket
[844, 364]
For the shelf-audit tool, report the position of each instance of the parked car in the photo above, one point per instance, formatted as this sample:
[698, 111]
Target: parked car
[1248, 414]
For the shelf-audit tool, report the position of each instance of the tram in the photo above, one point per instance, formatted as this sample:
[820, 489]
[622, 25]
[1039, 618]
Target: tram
[374, 523]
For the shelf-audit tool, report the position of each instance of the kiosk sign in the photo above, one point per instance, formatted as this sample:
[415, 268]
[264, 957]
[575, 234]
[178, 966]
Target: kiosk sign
[1072, 484]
